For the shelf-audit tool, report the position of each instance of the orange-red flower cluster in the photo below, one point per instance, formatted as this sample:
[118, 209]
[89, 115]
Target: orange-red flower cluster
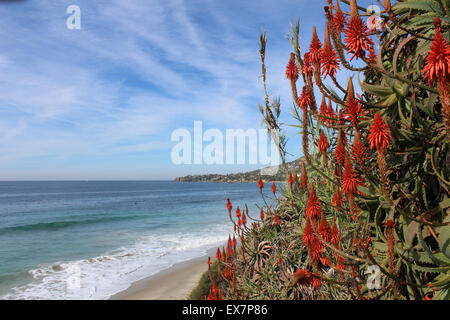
[438, 61]
[380, 134]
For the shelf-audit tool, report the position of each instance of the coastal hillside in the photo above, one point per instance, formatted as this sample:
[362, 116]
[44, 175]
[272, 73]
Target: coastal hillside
[250, 176]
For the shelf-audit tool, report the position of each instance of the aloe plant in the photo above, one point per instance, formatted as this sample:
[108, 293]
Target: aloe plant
[378, 193]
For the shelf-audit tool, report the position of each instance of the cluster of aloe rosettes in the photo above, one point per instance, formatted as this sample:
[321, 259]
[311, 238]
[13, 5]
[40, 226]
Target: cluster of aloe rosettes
[368, 217]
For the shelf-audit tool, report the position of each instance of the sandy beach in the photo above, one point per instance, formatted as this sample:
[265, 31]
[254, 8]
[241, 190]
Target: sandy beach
[174, 283]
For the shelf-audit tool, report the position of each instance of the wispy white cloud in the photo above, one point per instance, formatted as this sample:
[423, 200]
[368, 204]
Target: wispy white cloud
[135, 71]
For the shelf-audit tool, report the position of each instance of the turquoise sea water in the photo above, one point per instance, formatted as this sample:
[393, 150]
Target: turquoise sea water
[89, 240]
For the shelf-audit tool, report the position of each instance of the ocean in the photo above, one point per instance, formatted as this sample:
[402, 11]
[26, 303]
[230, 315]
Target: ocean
[92, 239]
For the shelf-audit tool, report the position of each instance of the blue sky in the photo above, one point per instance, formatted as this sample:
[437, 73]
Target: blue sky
[101, 102]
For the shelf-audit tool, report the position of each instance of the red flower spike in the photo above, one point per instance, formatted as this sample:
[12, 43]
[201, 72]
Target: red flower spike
[290, 180]
[357, 34]
[295, 176]
[305, 100]
[330, 114]
[260, 184]
[304, 177]
[358, 150]
[218, 255]
[329, 58]
[308, 235]
[335, 235]
[349, 179]
[324, 229]
[209, 261]
[339, 19]
[262, 214]
[380, 134]
[315, 47]
[238, 212]
[276, 220]
[291, 69]
[307, 64]
[234, 242]
[229, 206]
[341, 266]
[317, 249]
[313, 208]
[302, 277]
[244, 219]
[317, 283]
[323, 142]
[274, 188]
[437, 66]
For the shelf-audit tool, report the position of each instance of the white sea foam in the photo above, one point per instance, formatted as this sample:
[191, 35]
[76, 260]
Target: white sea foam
[103, 276]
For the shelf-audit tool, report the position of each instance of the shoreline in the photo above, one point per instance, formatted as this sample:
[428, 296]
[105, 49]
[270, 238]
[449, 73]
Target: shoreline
[173, 283]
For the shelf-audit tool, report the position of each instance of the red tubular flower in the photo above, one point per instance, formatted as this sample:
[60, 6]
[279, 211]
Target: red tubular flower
[317, 283]
[290, 181]
[339, 19]
[308, 235]
[324, 229]
[229, 206]
[291, 69]
[261, 214]
[218, 255]
[209, 261]
[380, 134]
[313, 208]
[357, 34]
[307, 64]
[353, 110]
[437, 65]
[341, 266]
[315, 47]
[329, 58]
[305, 100]
[238, 212]
[260, 184]
[302, 277]
[335, 235]
[331, 114]
[349, 180]
[304, 177]
[276, 220]
[295, 177]
[234, 242]
[274, 188]
[358, 150]
[323, 142]
[338, 200]
[316, 250]
[243, 219]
